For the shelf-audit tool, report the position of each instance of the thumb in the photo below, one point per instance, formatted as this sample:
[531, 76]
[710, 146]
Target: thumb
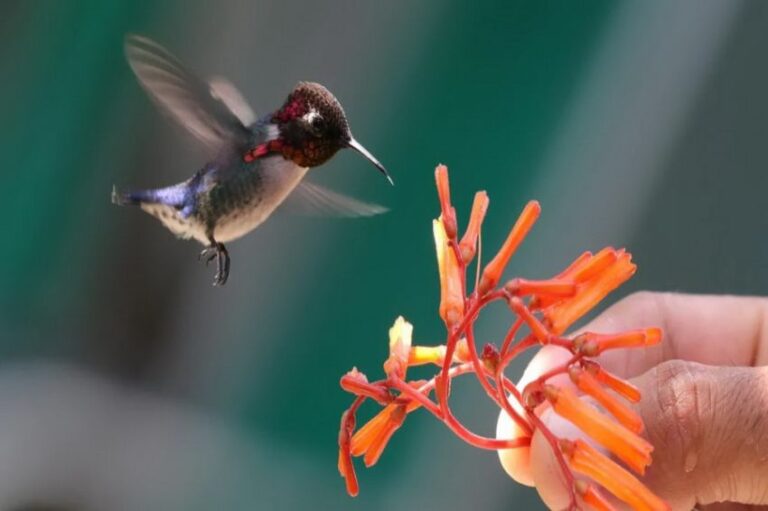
[709, 426]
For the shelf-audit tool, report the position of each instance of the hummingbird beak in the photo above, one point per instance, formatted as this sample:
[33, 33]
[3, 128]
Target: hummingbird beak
[354, 144]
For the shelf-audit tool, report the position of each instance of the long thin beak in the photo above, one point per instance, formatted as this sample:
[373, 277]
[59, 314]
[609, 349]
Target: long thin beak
[354, 144]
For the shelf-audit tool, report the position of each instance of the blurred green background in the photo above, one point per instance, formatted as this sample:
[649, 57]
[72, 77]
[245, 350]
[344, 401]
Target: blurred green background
[128, 382]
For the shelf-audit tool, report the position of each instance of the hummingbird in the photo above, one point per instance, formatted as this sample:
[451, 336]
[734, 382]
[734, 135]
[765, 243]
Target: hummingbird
[255, 163]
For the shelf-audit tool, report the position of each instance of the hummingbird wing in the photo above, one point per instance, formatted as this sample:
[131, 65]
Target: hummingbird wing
[226, 92]
[313, 199]
[204, 109]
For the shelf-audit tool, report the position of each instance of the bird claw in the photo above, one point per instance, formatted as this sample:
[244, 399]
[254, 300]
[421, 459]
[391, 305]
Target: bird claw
[219, 252]
[208, 254]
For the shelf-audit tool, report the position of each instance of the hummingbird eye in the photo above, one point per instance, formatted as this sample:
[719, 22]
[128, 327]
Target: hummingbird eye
[318, 125]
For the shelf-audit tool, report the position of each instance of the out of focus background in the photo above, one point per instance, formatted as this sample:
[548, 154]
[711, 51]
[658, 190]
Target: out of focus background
[127, 382]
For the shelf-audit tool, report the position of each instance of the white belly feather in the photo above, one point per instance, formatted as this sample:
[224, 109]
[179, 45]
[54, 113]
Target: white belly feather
[280, 177]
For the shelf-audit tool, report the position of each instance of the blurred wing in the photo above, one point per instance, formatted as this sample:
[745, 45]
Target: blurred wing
[223, 90]
[204, 110]
[312, 199]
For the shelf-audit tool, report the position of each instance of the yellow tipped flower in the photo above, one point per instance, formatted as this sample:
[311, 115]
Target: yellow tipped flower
[451, 285]
[586, 460]
[399, 347]
[421, 355]
[626, 445]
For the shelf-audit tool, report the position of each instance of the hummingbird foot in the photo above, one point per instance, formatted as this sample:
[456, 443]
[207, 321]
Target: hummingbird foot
[219, 252]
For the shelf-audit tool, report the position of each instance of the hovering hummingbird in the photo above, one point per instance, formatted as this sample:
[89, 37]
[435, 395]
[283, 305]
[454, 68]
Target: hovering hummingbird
[256, 163]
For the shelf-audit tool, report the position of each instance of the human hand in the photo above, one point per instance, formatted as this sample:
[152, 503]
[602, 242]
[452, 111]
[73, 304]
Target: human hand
[705, 400]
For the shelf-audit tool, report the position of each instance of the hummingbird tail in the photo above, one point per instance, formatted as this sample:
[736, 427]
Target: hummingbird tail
[176, 196]
[124, 198]
[172, 206]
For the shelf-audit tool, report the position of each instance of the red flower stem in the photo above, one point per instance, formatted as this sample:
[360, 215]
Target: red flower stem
[472, 309]
[555, 371]
[507, 406]
[503, 382]
[372, 390]
[511, 387]
[455, 371]
[496, 394]
[416, 395]
[352, 410]
[527, 342]
[570, 480]
[511, 333]
[453, 424]
[549, 436]
[482, 442]
[562, 342]
[477, 365]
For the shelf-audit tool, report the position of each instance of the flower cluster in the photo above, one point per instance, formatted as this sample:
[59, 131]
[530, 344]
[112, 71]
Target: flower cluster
[546, 309]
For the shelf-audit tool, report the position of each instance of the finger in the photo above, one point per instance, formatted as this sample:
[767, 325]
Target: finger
[709, 426]
[730, 506]
[709, 329]
[720, 330]
[516, 462]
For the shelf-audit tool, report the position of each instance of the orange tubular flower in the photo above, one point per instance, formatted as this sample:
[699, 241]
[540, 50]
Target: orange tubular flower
[594, 266]
[493, 270]
[468, 243]
[586, 267]
[562, 315]
[624, 388]
[371, 439]
[552, 288]
[346, 468]
[591, 387]
[592, 344]
[542, 310]
[586, 460]
[451, 280]
[537, 327]
[630, 448]
[541, 302]
[592, 497]
[444, 194]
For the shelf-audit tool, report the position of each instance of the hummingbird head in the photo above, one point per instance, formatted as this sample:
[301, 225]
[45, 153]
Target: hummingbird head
[313, 126]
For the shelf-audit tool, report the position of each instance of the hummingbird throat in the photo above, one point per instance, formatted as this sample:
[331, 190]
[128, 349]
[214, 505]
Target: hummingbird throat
[275, 146]
[305, 157]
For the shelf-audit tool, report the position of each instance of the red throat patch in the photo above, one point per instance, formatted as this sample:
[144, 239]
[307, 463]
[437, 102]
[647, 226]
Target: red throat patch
[261, 150]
